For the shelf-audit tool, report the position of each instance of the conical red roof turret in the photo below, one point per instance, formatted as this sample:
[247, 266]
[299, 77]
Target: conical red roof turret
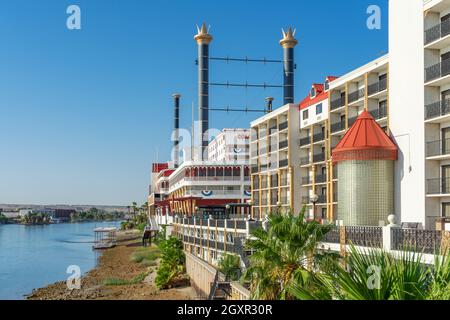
[365, 140]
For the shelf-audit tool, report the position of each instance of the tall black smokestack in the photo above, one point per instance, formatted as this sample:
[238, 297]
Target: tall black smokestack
[203, 39]
[269, 106]
[288, 43]
[176, 126]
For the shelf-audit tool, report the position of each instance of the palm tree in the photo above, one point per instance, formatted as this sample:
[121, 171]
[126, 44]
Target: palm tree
[284, 252]
[378, 275]
[230, 266]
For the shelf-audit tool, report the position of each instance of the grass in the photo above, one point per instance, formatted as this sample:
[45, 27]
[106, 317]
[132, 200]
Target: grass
[146, 256]
[122, 282]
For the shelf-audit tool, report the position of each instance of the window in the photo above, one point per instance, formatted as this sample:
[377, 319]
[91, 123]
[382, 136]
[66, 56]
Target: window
[318, 109]
[305, 114]
[327, 85]
[446, 210]
[313, 93]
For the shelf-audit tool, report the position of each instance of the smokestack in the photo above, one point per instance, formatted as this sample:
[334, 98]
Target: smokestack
[176, 126]
[288, 43]
[203, 39]
[269, 101]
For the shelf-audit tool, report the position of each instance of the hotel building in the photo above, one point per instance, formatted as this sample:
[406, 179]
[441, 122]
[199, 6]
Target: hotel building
[230, 145]
[274, 168]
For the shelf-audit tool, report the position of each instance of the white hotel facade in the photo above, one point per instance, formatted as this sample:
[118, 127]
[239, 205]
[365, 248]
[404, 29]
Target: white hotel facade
[407, 92]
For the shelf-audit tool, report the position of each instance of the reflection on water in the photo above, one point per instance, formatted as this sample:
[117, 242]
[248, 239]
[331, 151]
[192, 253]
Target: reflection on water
[35, 256]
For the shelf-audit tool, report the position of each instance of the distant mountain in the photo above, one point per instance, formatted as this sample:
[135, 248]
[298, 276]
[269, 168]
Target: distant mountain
[14, 207]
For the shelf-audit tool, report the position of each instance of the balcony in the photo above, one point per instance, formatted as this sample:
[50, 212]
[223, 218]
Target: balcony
[283, 126]
[284, 163]
[338, 126]
[321, 178]
[438, 186]
[254, 169]
[377, 87]
[306, 181]
[305, 141]
[437, 32]
[351, 121]
[437, 71]
[319, 137]
[322, 199]
[320, 157]
[337, 103]
[437, 109]
[356, 95]
[283, 144]
[305, 161]
[380, 113]
[439, 148]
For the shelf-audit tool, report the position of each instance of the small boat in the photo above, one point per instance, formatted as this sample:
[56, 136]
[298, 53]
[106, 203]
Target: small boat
[105, 238]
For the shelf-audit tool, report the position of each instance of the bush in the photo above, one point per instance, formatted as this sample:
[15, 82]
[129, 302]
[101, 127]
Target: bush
[145, 254]
[172, 262]
[230, 266]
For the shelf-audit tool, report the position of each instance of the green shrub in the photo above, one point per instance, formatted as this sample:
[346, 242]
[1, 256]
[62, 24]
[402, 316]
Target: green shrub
[172, 261]
[230, 266]
[121, 282]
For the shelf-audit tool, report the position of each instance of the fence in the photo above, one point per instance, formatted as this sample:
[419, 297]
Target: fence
[426, 241]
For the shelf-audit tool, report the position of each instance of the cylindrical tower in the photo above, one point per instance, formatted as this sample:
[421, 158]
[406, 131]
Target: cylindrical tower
[288, 43]
[203, 39]
[365, 161]
[176, 127]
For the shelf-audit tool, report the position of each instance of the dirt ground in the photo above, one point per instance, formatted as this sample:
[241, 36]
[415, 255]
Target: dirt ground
[115, 263]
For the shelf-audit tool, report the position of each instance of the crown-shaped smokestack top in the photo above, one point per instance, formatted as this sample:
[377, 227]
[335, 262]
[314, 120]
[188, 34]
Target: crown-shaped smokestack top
[203, 36]
[288, 40]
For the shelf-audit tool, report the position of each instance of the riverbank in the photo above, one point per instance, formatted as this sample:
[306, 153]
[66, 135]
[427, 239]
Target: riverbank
[115, 263]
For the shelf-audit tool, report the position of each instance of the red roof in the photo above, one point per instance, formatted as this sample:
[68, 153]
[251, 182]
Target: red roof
[365, 140]
[158, 167]
[166, 173]
[331, 78]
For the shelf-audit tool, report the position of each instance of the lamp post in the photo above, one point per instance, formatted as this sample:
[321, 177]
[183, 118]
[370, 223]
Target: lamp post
[314, 199]
[279, 207]
[227, 211]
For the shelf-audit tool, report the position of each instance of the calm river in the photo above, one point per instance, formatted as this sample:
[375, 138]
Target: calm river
[35, 256]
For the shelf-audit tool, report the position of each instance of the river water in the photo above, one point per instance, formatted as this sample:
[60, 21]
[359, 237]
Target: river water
[35, 256]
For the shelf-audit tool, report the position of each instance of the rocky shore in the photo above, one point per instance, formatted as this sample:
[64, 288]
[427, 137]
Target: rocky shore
[116, 263]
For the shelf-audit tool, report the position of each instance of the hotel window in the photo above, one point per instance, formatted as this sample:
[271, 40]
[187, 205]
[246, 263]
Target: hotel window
[446, 209]
[313, 92]
[305, 114]
[318, 109]
[327, 85]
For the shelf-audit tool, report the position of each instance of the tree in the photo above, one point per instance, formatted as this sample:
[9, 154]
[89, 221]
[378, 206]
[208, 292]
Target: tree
[286, 251]
[230, 266]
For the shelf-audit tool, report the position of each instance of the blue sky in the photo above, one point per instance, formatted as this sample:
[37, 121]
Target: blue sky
[85, 112]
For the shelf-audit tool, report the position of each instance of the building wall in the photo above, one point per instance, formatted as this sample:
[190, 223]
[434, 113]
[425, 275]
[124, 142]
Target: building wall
[230, 145]
[406, 92]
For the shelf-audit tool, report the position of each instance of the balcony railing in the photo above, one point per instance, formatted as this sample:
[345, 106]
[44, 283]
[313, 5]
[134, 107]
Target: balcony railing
[438, 148]
[337, 103]
[306, 180]
[305, 141]
[438, 70]
[437, 109]
[438, 186]
[365, 236]
[380, 113]
[305, 161]
[283, 144]
[377, 87]
[351, 121]
[283, 126]
[254, 169]
[322, 199]
[319, 157]
[283, 163]
[320, 178]
[319, 137]
[356, 95]
[436, 32]
[338, 126]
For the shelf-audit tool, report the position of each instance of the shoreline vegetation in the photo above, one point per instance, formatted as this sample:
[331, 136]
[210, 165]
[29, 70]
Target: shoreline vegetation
[125, 272]
[90, 215]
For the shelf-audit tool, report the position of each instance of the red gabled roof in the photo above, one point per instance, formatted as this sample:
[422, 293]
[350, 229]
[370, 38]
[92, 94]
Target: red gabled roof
[307, 102]
[166, 173]
[365, 140]
[331, 78]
